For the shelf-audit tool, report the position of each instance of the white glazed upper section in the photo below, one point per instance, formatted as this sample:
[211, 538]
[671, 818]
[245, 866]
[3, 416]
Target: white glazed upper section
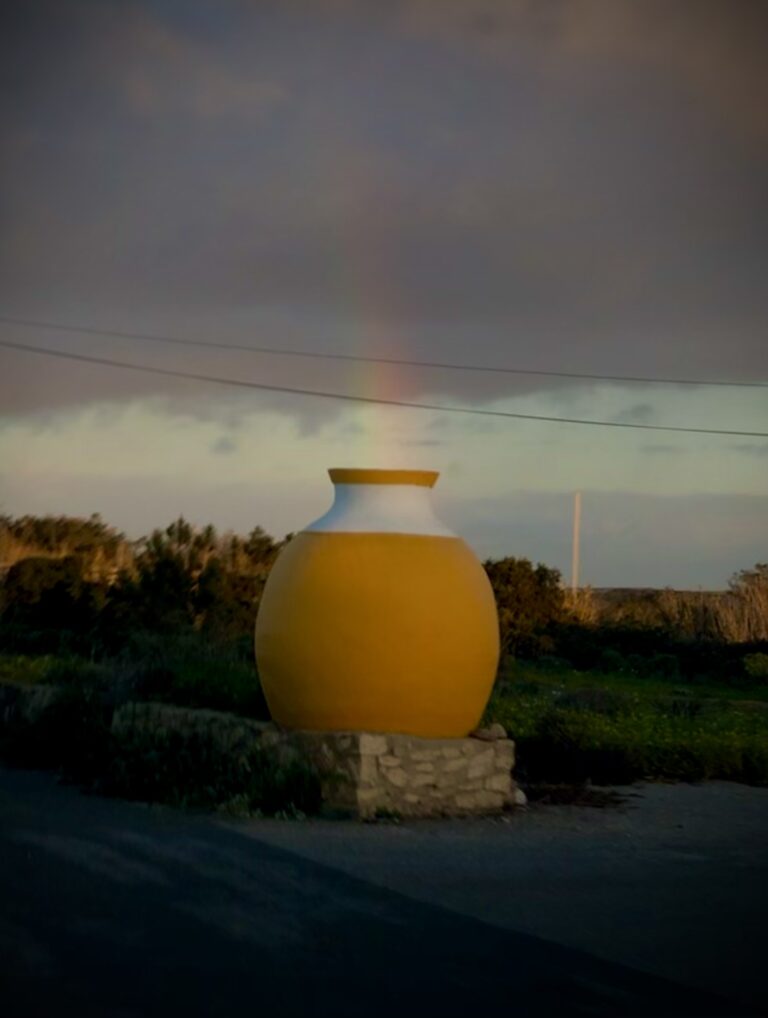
[381, 509]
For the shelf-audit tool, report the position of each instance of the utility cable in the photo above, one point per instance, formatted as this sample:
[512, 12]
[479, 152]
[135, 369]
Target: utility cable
[442, 365]
[108, 362]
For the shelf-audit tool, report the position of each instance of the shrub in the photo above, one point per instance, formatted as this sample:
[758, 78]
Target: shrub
[49, 595]
[188, 771]
[71, 734]
[189, 670]
[529, 601]
[75, 671]
[23, 668]
[756, 666]
[664, 666]
[574, 736]
[611, 661]
[736, 615]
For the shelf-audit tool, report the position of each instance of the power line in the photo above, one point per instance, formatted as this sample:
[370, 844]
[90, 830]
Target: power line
[108, 362]
[315, 355]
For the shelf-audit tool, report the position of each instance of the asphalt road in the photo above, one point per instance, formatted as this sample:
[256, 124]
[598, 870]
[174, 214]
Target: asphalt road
[112, 908]
[675, 882]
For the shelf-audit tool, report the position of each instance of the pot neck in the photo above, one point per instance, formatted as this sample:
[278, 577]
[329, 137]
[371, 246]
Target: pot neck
[381, 509]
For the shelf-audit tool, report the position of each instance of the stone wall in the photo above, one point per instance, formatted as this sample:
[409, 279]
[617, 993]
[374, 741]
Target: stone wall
[369, 774]
[362, 774]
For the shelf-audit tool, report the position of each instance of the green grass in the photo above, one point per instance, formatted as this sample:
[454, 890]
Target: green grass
[189, 675]
[572, 726]
[569, 726]
[562, 676]
[73, 733]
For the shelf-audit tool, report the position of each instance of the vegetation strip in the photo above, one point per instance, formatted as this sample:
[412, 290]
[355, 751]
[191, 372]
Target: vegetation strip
[607, 686]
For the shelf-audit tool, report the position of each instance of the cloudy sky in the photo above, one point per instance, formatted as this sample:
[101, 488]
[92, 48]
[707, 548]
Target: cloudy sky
[562, 185]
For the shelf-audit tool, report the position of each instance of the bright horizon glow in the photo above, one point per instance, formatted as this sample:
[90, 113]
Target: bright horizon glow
[272, 471]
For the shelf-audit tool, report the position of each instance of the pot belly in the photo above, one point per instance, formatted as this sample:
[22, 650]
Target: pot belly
[377, 632]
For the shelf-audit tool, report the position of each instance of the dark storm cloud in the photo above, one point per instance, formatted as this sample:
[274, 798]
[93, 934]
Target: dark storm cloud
[714, 48]
[572, 185]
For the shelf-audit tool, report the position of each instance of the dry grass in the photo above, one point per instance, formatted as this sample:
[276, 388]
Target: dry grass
[736, 615]
[583, 606]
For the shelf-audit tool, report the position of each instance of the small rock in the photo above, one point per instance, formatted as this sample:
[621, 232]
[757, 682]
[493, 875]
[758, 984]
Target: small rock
[492, 733]
[519, 797]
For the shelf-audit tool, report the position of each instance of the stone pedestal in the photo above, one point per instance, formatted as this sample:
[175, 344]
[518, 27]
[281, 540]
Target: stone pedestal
[368, 774]
[362, 774]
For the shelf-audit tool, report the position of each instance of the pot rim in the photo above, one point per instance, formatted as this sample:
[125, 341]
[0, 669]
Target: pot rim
[359, 475]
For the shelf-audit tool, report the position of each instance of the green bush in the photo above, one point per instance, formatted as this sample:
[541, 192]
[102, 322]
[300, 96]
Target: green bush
[71, 735]
[664, 666]
[189, 771]
[529, 601]
[611, 661]
[756, 666]
[186, 670]
[574, 736]
[24, 668]
[75, 671]
[190, 671]
[651, 651]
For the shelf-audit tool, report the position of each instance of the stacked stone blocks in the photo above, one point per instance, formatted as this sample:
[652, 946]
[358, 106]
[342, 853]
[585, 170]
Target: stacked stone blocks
[362, 774]
[369, 774]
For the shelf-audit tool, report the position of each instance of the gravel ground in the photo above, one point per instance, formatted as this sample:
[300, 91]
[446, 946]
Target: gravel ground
[673, 882]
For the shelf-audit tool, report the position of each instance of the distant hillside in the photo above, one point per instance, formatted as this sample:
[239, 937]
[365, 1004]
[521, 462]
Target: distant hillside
[738, 614]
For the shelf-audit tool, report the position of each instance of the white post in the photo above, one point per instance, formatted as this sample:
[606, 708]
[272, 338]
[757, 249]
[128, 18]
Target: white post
[576, 538]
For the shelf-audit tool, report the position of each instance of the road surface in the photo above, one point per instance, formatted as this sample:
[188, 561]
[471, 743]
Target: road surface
[117, 909]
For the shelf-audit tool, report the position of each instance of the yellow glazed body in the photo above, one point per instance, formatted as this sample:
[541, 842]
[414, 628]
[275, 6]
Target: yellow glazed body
[378, 631]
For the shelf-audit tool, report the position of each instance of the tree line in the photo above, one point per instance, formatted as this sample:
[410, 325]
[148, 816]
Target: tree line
[189, 579]
[180, 577]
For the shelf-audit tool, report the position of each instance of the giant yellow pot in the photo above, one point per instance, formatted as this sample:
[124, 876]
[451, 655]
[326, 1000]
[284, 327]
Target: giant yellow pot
[377, 618]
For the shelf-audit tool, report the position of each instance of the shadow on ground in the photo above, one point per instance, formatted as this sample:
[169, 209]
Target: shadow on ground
[115, 909]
